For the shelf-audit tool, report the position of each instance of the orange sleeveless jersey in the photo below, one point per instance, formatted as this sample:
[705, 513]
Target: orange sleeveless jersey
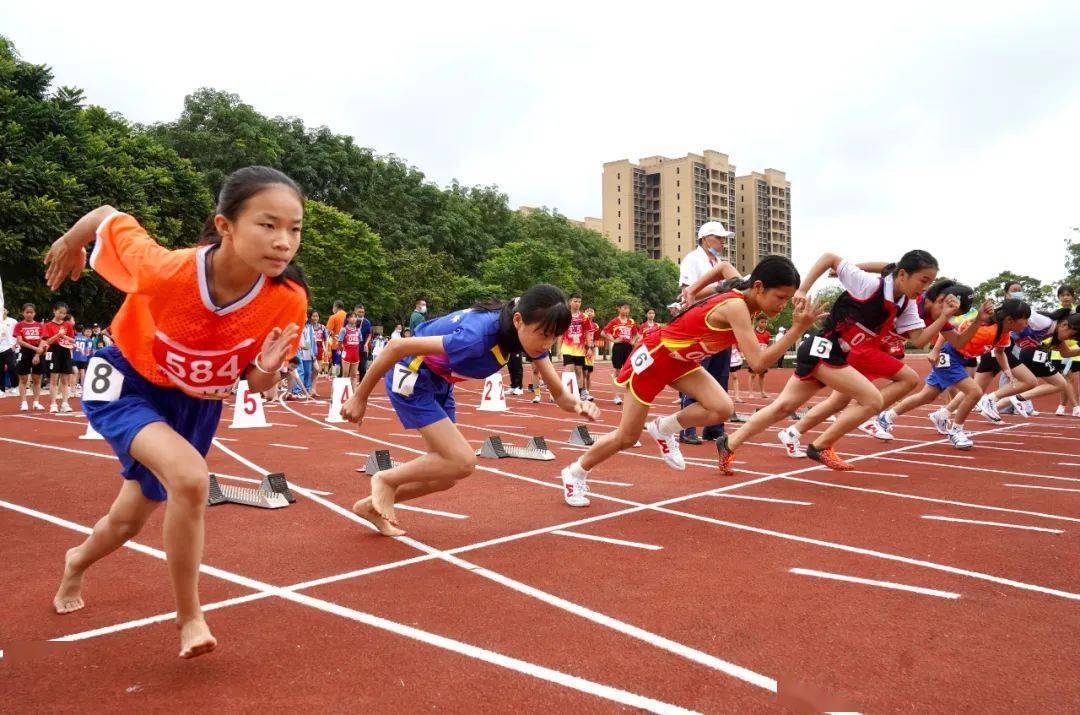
[169, 328]
[690, 337]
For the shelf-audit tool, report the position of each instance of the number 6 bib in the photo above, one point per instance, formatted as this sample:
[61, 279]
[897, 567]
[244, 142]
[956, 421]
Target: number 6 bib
[640, 360]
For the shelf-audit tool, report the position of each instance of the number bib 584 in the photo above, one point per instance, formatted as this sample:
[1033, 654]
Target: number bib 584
[206, 372]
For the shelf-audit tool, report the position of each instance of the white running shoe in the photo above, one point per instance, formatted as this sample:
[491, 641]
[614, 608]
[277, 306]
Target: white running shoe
[53, 409]
[1031, 411]
[24, 407]
[574, 490]
[1060, 410]
[873, 428]
[536, 400]
[618, 400]
[587, 397]
[940, 418]
[1019, 406]
[1076, 411]
[959, 438]
[38, 405]
[988, 409]
[831, 418]
[518, 392]
[65, 407]
[669, 446]
[790, 439]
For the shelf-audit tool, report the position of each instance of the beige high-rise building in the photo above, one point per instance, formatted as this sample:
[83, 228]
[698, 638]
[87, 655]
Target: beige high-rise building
[763, 218]
[657, 205]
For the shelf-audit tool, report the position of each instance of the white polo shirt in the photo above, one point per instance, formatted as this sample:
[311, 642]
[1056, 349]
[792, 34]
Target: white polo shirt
[7, 340]
[861, 285]
[693, 266]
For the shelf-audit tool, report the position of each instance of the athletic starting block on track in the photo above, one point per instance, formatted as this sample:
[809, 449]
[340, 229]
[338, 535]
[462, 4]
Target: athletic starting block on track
[535, 448]
[272, 493]
[378, 461]
[580, 436]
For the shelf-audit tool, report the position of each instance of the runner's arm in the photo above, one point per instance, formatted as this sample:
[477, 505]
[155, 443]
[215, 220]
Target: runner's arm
[702, 286]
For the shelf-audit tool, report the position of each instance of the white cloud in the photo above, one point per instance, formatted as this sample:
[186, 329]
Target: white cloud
[946, 126]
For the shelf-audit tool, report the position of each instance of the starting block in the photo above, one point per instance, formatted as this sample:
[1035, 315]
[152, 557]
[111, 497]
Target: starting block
[736, 417]
[580, 436]
[378, 461]
[536, 448]
[797, 414]
[273, 493]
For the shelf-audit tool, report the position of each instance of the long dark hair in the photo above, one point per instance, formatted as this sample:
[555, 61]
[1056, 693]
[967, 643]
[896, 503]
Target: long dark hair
[543, 304]
[773, 272]
[1012, 308]
[946, 287]
[237, 188]
[911, 262]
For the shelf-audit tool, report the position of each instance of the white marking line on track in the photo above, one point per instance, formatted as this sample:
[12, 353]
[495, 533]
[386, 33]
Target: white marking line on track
[768, 499]
[265, 589]
[610, 484]
[405, 434]
[941, 456]
[876, 474]
[879, 584]
[285, 446]
[992, 471]
[228, 439]
[608, 540]
[1049, 489]
[1069, 464]
[434, 512]
[992, 523]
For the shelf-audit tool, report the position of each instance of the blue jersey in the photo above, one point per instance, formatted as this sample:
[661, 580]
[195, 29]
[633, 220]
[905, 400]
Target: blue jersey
[84, 348]
[470, 346]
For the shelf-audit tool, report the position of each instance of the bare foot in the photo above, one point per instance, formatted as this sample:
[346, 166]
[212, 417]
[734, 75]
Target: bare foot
[365, 510]
[68, 597]
[382, 499]
[196, 639]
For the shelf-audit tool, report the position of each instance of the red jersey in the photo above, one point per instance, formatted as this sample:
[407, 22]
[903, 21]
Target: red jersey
[650, 325]
[763, 336]
[169, 327]
[622, 332]
[689, 337]
[65, 330]
[350, 341]
[573, 340]
[30, 332]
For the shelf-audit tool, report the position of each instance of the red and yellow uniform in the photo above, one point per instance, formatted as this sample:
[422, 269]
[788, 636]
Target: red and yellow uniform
[169, 328]
[591, 333]
[622, 331]
[574, 339]
[676, 349]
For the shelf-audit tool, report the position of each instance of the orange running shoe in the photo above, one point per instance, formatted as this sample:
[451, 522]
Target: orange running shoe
[726, 456]
[829, 458]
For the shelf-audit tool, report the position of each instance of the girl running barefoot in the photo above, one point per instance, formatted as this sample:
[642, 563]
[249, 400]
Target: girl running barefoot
[671, 356]
[871, 306]
[420, 373]
[935, 308]
[989, 331]
[194, 321]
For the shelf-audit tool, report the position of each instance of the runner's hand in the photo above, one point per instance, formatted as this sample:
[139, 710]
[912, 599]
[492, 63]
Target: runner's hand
[64, 260]
[952, 306]
[806, 313]
[276, 346]
[353, 410]
[986, 310]
[933, 358]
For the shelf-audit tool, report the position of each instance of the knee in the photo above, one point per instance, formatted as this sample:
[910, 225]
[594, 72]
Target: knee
[909, 378]
[461, 465]
[872, 401]
[190, 486]
[624, 440]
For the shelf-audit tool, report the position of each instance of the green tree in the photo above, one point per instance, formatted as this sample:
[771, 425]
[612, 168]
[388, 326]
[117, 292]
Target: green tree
[606, 296]
[59, 160]
[1072, 264]
[344, 260]
[1039, 295]
[518, 265]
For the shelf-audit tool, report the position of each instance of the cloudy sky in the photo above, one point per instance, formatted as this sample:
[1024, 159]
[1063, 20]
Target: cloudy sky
[943, 125]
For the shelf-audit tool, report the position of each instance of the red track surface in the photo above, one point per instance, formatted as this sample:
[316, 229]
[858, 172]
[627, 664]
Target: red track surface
[715, 620]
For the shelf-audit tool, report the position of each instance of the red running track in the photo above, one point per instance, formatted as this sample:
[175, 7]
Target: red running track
[706, 593]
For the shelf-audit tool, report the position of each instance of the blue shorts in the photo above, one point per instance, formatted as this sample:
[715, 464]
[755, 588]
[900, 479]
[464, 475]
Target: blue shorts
[945, 377]
[138, 404]
[432, 400]
[335, 357]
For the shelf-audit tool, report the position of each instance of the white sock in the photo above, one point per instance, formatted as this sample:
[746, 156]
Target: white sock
[577, 471]
[890, 415]
[793, 430]
[668, 425]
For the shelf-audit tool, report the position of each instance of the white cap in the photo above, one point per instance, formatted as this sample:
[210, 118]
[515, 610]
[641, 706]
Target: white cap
[713, 228]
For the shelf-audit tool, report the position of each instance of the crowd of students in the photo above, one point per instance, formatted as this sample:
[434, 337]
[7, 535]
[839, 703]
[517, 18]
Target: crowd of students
[198, 320]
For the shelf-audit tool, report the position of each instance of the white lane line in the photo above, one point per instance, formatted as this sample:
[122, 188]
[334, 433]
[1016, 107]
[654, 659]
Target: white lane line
[610, 484]
[876, 474]
[405, 434]
[228, 439]
[880, 584]
[459, 647]
[285, 446]
[58, 449]
[434, 512]
[943, 456]
[768, 499]
[1003, 441]
[1069, 464]
[608, 540]
[916, 497]
[1049, 489]
[992, 523]
[283, 424]
[991, 471]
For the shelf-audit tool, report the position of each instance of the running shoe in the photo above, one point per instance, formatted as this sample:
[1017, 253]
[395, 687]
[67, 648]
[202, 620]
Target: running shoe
[828, 457]
[988, 409]
[24, 407]
[65, 407]
[536, 399]
[38, 406]
[690, 438]
[586, 396]
[959, 438]
[1076, 411]
[790, 439]
[669, 446]
[873, 428]
[1060, 410]
[574, 490]
[1031, 411]
[940, 418]
[618, 400]
[725, 455]
[53, 409]
[1020, 406]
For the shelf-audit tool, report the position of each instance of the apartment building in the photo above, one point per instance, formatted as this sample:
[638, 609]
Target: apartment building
[763, 217]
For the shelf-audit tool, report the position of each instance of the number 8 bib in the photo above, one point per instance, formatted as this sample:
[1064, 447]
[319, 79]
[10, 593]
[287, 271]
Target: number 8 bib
[640, 360]
[102, 382]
